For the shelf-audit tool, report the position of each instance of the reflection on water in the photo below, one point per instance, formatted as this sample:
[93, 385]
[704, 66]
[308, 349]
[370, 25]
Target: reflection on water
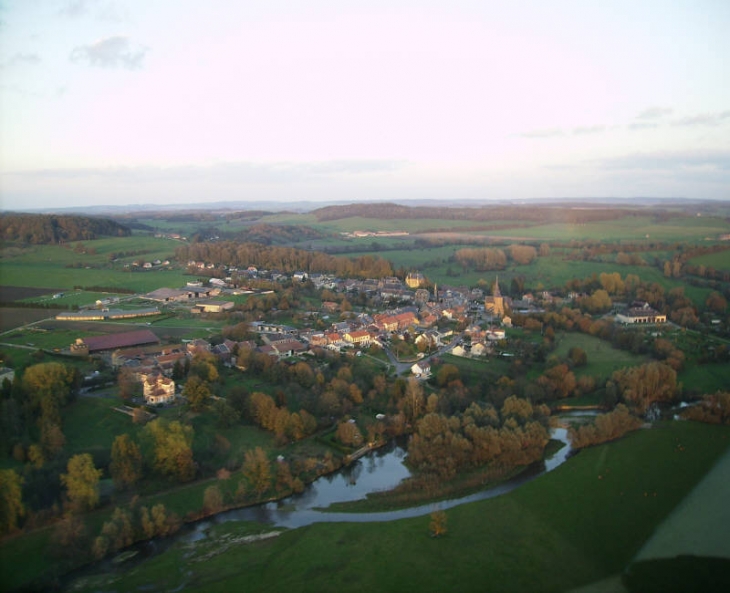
[379, 470]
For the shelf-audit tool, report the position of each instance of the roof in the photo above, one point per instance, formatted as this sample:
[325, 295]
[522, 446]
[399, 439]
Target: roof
[122, 340]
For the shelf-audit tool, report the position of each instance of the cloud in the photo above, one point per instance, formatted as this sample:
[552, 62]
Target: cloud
[703, 119]
[103, 11]
[110, 52]
[75, 8]
[642, 126]
[677, 161]
[21, 59]
[544, 133]
[227, 173]
[583, 130]
[655, 113]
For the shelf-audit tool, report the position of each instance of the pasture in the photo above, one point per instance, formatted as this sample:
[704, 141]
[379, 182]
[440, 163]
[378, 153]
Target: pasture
[603, 359]
[718, 261]
[588, 518]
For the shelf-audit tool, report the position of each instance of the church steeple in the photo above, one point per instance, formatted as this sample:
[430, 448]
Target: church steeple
[496, 292]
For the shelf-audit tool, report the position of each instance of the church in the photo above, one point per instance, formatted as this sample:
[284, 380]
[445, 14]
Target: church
[494, 305]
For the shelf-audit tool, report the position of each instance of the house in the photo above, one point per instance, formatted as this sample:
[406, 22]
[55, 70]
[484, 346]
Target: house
[495, 334]
[430, 339]
[480, 349]
[157, 389]
[641, 313]
[330, 306]
[421, 369]
[287, 347]
[358, 337]
[459, 350]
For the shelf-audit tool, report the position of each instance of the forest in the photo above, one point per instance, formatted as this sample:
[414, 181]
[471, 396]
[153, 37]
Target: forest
[44, 229]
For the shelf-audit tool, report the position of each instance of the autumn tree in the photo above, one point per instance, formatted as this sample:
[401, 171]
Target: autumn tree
[126, 462]
[212, 499]
[437, 525]
[129, 385]
[81, 482]
[172, 453]
[348, 434]
[197, 393]
[257, 470]
[558, 382]
[11, 500]
[645, 384]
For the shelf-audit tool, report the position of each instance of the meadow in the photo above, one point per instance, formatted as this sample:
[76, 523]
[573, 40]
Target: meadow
[603, 359]
[579, 524]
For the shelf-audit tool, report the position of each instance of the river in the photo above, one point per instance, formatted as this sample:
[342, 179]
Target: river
[380, 470]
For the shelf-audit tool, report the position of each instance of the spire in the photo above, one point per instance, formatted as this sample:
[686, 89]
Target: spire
[495, 291]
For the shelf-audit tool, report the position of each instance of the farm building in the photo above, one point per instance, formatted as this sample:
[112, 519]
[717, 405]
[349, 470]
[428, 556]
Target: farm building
[90, 345]
[106, 314]
[212, 306]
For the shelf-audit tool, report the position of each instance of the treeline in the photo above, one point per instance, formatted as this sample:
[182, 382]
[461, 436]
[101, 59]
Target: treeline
[713, 409]
[513, 436]
[491, 258]
[566, 214]
[283, 259]
[605, 427]
[44, 229]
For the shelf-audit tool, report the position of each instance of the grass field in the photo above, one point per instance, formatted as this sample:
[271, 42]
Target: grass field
[603, 360]
[578, 524]
[719, 261]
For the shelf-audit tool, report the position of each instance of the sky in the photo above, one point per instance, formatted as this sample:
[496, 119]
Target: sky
[110, 102]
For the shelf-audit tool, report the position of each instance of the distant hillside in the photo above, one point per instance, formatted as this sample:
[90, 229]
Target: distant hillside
[42, 229]
[574, 214]
[268, 234]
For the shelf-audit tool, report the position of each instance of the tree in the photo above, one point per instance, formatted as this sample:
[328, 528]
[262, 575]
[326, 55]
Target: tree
[348, 434]
[129, 386]
[172, 453]
[212, 499]
[197, 393]
[226, 415]
[126, 463]
[414, 400]
[257, 470]
[578, 356]
[447, 373]
[11, 500]
[50, 380]
[437, 526]
[82, 482]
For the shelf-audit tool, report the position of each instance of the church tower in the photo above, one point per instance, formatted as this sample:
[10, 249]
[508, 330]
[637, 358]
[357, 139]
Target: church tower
[494, 305]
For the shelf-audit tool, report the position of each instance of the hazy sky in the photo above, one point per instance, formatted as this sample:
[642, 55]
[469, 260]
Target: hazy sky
[163, 101]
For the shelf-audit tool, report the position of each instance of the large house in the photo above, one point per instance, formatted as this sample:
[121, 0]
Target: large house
[358, 337]
[157, 389]
[642, 313]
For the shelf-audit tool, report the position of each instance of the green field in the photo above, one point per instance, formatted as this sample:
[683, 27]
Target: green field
[579, 524]
[603, 359]
[719, 261]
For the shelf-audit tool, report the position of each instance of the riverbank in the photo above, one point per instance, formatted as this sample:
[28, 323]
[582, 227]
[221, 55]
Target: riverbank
[412, 492]
[578, 524]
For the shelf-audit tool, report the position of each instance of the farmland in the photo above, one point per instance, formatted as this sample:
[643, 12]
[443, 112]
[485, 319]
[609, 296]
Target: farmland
[636, 256]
